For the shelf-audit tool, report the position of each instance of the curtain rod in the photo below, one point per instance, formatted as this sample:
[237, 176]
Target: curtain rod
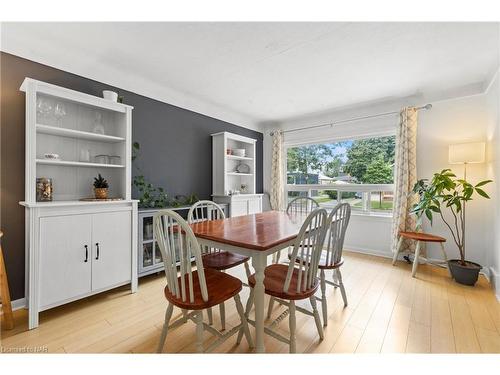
[425, 107]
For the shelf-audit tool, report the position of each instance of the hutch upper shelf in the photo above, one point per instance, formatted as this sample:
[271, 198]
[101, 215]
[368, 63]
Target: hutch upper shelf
[71, 137]
[77, 134]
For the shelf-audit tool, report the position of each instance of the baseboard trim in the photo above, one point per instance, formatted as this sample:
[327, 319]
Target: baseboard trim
[489, 273]
[18, 304]
[382, 254]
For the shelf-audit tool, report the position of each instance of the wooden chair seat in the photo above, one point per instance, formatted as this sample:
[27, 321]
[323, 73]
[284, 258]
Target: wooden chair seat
[322, 262]
[223, 260]
[274, 280]
[220, 286]
[418, 236]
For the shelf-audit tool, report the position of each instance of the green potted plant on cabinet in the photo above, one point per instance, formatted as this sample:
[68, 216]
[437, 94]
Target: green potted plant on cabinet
[101, 187]
[446, 192]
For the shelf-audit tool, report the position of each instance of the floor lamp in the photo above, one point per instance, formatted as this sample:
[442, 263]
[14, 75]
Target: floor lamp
[466, 153]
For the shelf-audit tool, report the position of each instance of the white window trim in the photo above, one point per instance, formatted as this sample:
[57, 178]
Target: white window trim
[364, 188]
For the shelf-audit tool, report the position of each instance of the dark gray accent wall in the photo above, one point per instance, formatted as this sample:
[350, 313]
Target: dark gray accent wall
[176, 148]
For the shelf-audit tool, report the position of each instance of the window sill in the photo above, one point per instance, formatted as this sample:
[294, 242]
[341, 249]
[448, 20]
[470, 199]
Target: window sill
[374, 215]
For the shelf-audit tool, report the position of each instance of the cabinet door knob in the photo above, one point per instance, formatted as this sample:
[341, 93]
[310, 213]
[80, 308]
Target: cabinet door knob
[97, 255]
[86, 253]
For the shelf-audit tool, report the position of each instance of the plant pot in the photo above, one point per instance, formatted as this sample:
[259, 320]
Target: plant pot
[464, 274]
[101, 193]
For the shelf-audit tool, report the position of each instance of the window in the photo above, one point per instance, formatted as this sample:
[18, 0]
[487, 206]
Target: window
[360, 172]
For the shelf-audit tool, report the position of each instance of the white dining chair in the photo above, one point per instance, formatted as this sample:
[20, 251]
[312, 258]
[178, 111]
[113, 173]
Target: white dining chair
[295, 281]
[299, 205]
[193, 290]
[331, 258]
[213, 258]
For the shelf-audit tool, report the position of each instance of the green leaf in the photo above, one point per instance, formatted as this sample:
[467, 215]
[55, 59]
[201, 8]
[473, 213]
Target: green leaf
[428, 213]
[482, 183]
[482, 193]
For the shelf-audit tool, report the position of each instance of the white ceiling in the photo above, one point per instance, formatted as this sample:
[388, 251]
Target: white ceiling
[252, 73]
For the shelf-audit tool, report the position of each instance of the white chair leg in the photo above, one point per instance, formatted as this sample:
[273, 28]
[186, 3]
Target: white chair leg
[168, 315]
[292, 323]
[335, 279]
[341, 285]
[398, 249]
[247, 312]
[324, 307]
[243, 318]
[270, 307]
[317, 320]
[247, 270]
[276, 257]
[210, 316]
[199, 332]
[222, 310]
[445, 257]
[184, 315]
[415, 260]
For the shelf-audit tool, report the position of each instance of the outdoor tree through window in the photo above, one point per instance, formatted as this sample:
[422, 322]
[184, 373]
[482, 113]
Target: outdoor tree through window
[362, 161]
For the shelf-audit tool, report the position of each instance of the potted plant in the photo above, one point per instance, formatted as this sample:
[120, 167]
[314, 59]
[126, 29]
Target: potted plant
[100, 187]
[446, 192]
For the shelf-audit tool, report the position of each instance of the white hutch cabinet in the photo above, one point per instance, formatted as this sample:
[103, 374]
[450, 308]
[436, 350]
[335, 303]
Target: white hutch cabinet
[235, 173]
[77, 248]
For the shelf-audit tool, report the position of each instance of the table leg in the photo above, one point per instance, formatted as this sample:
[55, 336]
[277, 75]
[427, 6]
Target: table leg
[259, 264]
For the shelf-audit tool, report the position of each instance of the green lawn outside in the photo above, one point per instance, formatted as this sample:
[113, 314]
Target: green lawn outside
[376, 205]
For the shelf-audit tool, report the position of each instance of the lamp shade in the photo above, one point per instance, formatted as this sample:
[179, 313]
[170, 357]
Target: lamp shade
[466, 153]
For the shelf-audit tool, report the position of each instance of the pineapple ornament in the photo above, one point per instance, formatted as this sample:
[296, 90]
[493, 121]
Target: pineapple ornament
[100, 187]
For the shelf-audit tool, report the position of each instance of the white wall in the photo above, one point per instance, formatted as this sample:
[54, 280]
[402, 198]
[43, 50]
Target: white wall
[451, 121]
[460, 120]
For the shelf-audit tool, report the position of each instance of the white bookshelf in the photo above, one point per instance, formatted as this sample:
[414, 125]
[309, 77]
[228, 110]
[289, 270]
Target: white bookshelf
[72, 136]
[77, 248]
[226, 179]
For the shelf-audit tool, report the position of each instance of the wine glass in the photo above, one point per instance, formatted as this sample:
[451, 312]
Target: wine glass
[43, 108]
[59, 113]
[98, 126]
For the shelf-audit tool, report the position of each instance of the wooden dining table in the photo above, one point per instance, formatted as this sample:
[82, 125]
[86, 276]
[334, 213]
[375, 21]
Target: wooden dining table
[256, 236]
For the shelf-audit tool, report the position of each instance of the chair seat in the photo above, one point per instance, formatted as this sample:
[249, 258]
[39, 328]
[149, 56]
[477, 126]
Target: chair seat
[322, 262]
[274, 280]
[223, 260]
[220, 287]
[426, 237]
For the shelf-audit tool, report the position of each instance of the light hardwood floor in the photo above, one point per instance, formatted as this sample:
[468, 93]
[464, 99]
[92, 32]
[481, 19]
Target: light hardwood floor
[389, 311]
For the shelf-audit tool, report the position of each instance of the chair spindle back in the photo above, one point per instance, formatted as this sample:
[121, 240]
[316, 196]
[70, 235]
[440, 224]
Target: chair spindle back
[178, 244]
[337, 225]
[307, 250]
[204, 211]
[303, 205]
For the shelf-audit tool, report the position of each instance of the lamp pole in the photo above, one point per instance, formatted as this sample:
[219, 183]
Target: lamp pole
[463, 214]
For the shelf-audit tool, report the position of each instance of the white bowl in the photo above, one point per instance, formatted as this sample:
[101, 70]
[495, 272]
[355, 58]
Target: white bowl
[51, 156]
[110, 95]
[239, 151]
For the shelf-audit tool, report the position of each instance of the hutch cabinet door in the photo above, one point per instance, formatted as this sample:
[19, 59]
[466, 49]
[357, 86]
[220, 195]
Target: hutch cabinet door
[254, 205]
[65, 258]
[111, 249]
[238, 207]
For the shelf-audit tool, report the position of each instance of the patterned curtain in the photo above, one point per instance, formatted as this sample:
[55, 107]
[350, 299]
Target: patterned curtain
[277, 173]
[405, 177]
